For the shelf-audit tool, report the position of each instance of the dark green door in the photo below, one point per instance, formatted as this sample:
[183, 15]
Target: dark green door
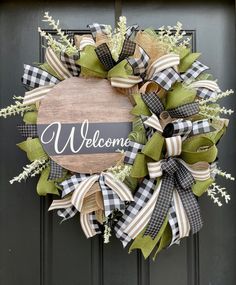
[34, 248]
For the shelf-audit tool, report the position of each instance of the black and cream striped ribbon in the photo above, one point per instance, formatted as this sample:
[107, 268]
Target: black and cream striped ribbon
[206, 89]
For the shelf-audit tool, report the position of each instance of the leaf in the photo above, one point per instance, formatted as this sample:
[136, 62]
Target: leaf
[33, 149]
[45, 186]
[30, 117]
[187, 61]
[179, 95]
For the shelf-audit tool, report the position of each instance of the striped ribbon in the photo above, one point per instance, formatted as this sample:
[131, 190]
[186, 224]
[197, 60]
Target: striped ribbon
[128, 82]
[143, 216]
[200, 170]
[36, 94]
[162, 63]
[56, 64]
[209, 84]
[173, 144]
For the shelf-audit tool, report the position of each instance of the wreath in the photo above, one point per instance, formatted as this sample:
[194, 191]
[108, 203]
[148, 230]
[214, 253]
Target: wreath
[136, 169]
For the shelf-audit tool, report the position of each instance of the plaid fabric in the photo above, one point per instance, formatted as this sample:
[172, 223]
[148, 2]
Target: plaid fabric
[139, 65]
[98, 28]
[174, 174]
[130, 30]
[70, 63]
[69, 185]
[141, 197]
[194, 71]
[35, 77]
[166, 78]
[173, 222]
[94, 223]
[184, 111]
[200, 127]
[153, 102]
[28, 130]
[110, 199]
[205, 93]
[191, 207]
[104, 55]
[127, 49]
[177, 128]
[132, 151]
[162, 206]
[56, 171]
[67, 213]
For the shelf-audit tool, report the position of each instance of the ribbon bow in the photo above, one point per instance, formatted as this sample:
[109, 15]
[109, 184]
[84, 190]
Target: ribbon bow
[76, 189]
[174, 176]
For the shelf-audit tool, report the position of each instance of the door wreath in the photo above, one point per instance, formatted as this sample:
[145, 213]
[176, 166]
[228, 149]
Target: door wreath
[122, 125]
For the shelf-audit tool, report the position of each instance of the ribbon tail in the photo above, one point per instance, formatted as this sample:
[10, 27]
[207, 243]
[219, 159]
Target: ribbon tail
[162, 206]
[191, 207]
[89, 224]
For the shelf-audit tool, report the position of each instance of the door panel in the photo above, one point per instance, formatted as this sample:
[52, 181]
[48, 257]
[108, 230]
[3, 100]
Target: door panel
[35, 248]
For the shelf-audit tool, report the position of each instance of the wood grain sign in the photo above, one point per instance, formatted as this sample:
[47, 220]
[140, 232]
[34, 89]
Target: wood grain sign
[83, 122]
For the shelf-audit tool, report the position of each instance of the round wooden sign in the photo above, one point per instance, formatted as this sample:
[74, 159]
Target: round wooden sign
[83, 122]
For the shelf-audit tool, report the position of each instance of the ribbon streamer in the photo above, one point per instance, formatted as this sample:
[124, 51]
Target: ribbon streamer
[141, 197]
[35, 77]
[56, 64]
[36, 95]
[77, 187]
[175, 175]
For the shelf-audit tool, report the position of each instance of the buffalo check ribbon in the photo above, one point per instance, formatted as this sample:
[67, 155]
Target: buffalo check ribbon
[96, 28]
[206, 89]
[163, 71]
[141, 197]
[133, 149]
[69, 61]
[140, 64]
[34, 77]
[194, 71]
[174, 176]
[75, 189]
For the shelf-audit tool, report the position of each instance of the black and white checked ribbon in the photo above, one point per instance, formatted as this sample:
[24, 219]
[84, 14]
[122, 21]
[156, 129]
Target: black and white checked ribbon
[111, 200]
[96, 28]
[139, 65]
[69, 61]
[114, 192]
[205, 93]
[131, 30]
[56, 171]
[28, 130]
[200, 127]
[141, 197]
[166, 78]
[173, 222]
[175, 175]
[104, 54]
[132, 151]
[34, 77]
[128, 49]
[194, 71]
